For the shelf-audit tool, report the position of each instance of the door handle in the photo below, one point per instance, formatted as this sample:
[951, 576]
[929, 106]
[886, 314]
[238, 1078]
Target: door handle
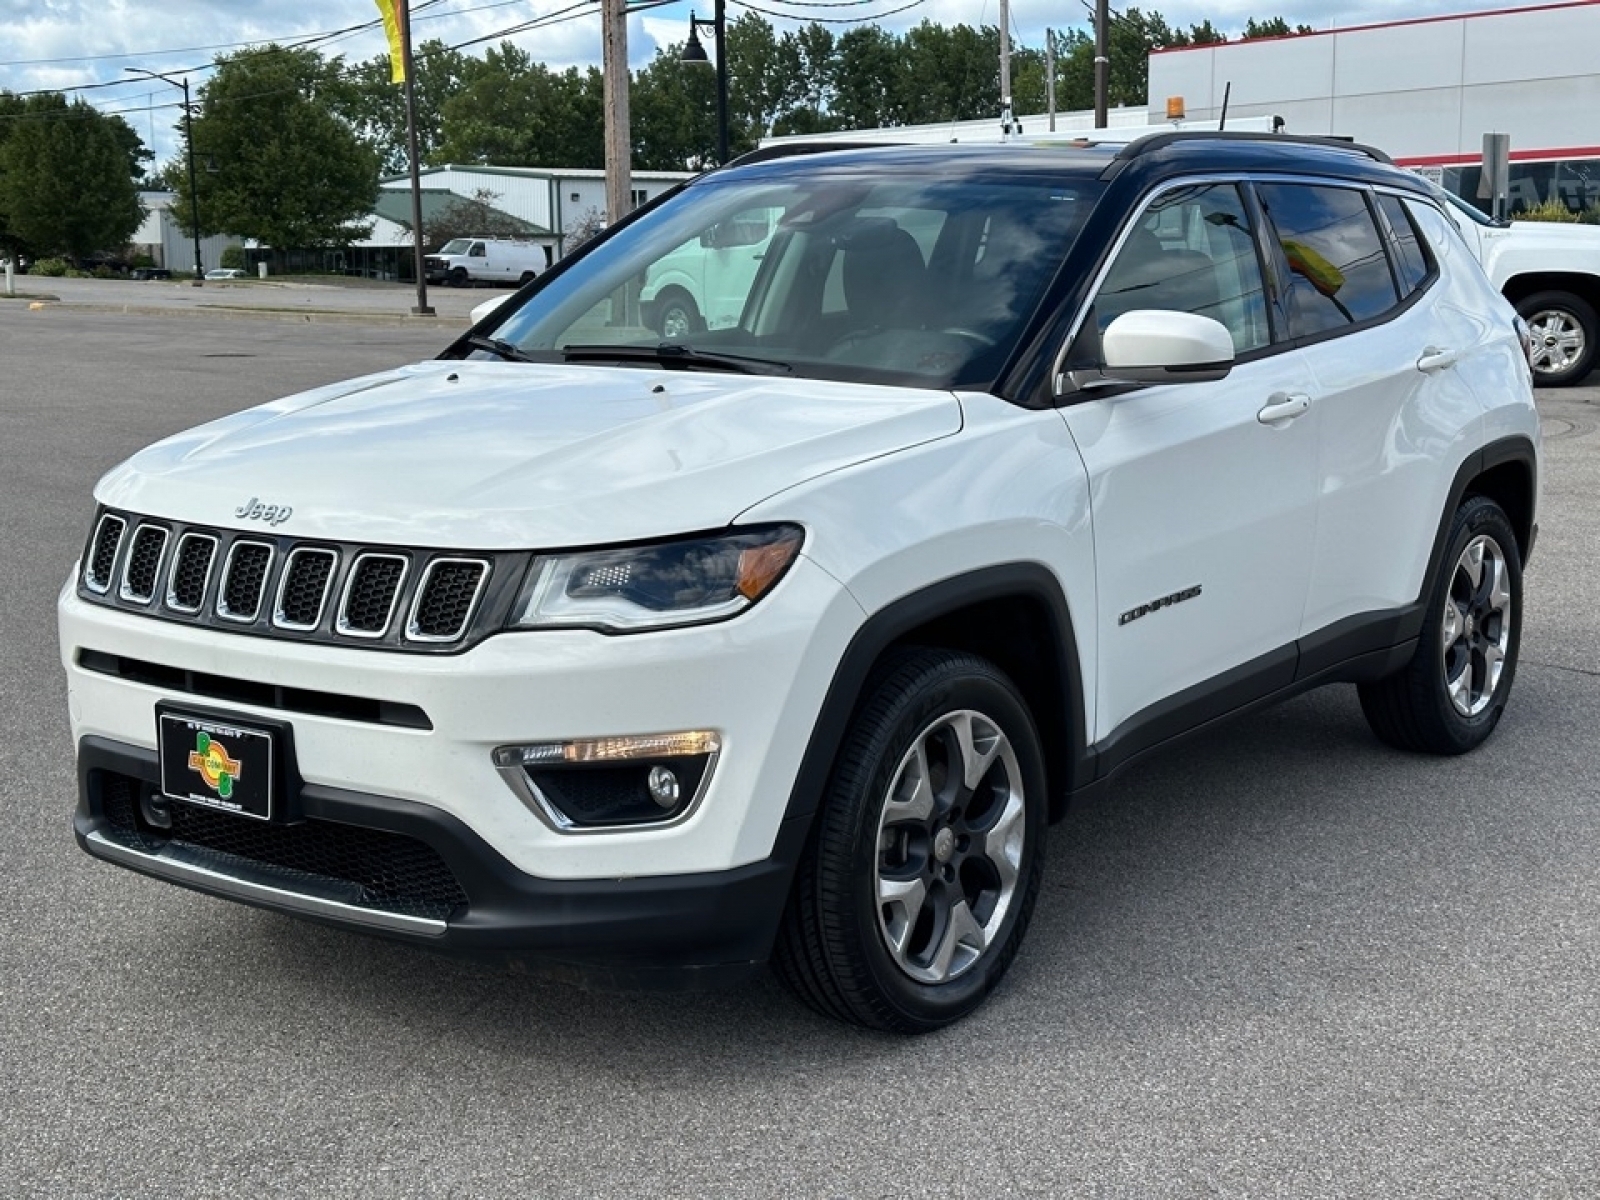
[1434, 360]
[1283, 406]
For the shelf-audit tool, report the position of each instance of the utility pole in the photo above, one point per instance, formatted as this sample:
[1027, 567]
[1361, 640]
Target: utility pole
[618, 138]
[188, 142]
[1007, 125]
[403, 15]
[1050, 74]
[1102, 63]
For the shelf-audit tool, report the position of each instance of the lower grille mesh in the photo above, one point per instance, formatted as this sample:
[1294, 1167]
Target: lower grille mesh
[393, 873]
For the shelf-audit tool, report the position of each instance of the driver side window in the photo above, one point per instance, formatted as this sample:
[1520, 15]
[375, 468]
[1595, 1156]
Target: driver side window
[1192, 251]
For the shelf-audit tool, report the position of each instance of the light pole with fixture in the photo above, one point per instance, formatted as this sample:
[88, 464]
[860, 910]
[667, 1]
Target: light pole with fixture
[694, 52]
[188, 141]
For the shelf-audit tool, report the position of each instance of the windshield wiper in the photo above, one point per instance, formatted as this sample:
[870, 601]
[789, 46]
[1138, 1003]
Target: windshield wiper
[668, 354]
[500, 349]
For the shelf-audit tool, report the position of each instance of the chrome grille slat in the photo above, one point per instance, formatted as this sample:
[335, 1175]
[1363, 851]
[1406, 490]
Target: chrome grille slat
[447, 596]
[102, 557]
[303, 590]
[244, 581]
[259, 583]
[371, 591]
[141, 568]
[192, 561]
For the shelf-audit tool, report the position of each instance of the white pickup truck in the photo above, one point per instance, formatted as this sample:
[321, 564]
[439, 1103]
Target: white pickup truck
[462, 262]
[1551, 273]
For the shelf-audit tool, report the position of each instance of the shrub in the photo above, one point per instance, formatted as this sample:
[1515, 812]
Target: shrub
[1554, 209]
[54, 268]
[233, 256]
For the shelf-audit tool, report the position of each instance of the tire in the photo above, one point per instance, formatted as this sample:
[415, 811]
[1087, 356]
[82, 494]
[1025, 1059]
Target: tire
[676, 314]
[903, 917]
[457, 277]
[526, 279]
[1449, 698]
[1565, 332]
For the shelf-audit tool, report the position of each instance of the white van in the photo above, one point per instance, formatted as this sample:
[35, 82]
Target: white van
[461, 262]
[703, 283]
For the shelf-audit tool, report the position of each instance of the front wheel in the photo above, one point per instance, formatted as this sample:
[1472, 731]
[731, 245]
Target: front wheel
[1565, 333]
[921, 876]
[457, 277]
[1449, 698]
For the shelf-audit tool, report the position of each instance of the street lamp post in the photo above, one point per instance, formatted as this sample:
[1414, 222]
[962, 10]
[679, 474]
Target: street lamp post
[188, 141]
[694, 52]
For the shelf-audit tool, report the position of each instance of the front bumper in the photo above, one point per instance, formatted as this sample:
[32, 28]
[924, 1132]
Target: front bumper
[758, 682]
[421, 876]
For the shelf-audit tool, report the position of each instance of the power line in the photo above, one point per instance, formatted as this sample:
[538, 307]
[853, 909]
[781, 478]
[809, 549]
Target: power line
[783, 16]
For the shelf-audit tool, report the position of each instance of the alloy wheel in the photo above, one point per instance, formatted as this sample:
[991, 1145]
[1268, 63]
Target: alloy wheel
[950, 845]
[1476, 629]
[1558, 341]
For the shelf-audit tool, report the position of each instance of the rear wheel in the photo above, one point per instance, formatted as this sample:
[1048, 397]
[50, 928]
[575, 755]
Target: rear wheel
[918, 885]
[1565, 333]
[677, 315]
[527, 278]
[1449, 698]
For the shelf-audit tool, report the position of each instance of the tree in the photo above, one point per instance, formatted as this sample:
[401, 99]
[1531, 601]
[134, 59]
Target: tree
[375, 106]
[278, 162]
[1272, 27]
[67, 177]
[673, 114]
[514, 112]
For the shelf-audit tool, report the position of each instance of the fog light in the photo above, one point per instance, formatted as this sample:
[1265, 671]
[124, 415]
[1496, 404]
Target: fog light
[606, 783]
[664, 787]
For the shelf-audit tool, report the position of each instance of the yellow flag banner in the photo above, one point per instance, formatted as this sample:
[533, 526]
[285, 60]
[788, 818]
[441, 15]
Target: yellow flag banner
[391, 27]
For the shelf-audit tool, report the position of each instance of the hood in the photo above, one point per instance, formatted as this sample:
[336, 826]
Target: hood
[492, 455]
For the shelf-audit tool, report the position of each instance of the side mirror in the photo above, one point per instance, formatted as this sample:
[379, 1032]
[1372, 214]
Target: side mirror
[481, 311]
[1150, 345]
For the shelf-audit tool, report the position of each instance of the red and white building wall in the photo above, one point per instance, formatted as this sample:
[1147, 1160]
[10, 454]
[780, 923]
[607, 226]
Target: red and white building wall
[1424, 90]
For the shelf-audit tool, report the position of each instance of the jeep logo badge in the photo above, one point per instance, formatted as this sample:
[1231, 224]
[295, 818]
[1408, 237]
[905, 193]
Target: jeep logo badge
[273, 514]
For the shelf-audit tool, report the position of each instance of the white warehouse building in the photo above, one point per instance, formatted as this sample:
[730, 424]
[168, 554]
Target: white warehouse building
[1424, 90]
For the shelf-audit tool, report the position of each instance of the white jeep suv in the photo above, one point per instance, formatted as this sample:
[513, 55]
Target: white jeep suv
[640, 660]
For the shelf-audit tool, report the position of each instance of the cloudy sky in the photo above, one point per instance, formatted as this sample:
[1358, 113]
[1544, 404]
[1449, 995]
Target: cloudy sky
[64, 44]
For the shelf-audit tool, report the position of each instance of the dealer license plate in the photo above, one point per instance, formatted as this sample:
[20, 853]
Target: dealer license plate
[218, 764]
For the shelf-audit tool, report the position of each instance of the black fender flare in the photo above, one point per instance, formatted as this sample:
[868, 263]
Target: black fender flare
[897, 621]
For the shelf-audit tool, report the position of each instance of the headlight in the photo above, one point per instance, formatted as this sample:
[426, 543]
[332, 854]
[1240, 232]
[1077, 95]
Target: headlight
[684, 582]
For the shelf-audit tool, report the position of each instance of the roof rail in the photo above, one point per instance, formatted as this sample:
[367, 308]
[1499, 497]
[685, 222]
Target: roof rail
[791, 149]
[1157, 141]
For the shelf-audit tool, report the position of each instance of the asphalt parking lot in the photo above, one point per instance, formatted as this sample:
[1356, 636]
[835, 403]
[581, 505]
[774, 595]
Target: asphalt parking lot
[1281, 962]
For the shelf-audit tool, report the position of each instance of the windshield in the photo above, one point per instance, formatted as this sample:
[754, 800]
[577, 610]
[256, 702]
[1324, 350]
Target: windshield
[895, 279]
[455, 246]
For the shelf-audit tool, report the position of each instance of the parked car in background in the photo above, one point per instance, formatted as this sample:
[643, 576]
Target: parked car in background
[1551, 272]
[150, 273]
[226, 273]
[462, 262]
[642, 658]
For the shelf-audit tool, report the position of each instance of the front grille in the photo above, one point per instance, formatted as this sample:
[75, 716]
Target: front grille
[265, 584]
[304, 589]
[244, 579]
[103, 555]
[445, 599]
[381, 870]
[144, 564]
[370, 595]
[191, 571]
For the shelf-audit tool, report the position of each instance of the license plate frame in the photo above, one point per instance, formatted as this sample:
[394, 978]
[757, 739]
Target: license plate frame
[217, 761]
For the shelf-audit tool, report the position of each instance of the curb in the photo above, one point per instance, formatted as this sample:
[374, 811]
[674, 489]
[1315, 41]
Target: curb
[351, 316]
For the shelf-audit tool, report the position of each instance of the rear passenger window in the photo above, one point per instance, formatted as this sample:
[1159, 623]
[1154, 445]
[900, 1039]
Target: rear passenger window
[1338, 271]
[1411, 261]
